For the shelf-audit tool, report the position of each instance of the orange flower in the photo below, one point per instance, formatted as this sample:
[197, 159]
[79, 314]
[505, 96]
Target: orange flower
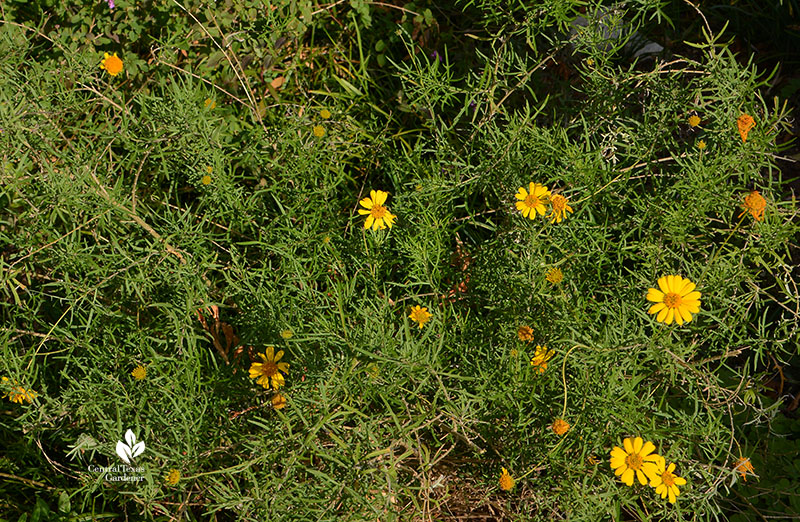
[743, 466]
[525, 333]
[278, 401]
[111, 63]
[560, 426]
[506, 480]
[745, 122]
[755, 204]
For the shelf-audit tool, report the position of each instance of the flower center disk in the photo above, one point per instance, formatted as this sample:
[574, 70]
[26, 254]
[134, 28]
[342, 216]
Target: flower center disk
[378, 211]
[531, 200]
[634, 462]
[672, 300]
[270, 369]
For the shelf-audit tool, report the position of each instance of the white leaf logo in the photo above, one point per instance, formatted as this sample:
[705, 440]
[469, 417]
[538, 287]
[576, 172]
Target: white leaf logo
[130, 450]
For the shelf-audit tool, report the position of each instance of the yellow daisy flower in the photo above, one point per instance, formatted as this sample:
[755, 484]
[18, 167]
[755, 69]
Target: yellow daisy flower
[319, 131]
[278, 401]
[172, 477]
[555, 275]
[506, 480]
[287, 334]
[540, 358]
[269, 370]
[206, 180]
[111, 63]
[525, 333]
[18, 393]
[420, 315]
[755, 204]
[701, 144]
[665, 482]
[324, 114]
[378, 216]
[559, 206]
[532, 200]
[694, 121]
[676, 300]
[139, 373]
[560, 426]
[637, 459]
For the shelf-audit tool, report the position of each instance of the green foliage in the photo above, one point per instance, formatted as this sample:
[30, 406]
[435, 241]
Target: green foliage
[131, 206]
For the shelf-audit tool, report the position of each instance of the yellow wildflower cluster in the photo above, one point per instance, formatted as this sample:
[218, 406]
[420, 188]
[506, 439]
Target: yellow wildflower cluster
[16, 393]
[535, 200]
[637, 460]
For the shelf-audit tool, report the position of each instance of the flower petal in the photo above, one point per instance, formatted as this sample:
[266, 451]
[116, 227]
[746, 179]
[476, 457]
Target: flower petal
[617, 463]
[627, 477]
[662, 315]
[662, 284]
[638, 442]
[672, 282]
[380, 198]
[366, 203]
[688, 286]
[655, 296]
[647, 449]
[618, 452]
[670, 315]
[656, 308]
[692, 296]
[628, 443]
